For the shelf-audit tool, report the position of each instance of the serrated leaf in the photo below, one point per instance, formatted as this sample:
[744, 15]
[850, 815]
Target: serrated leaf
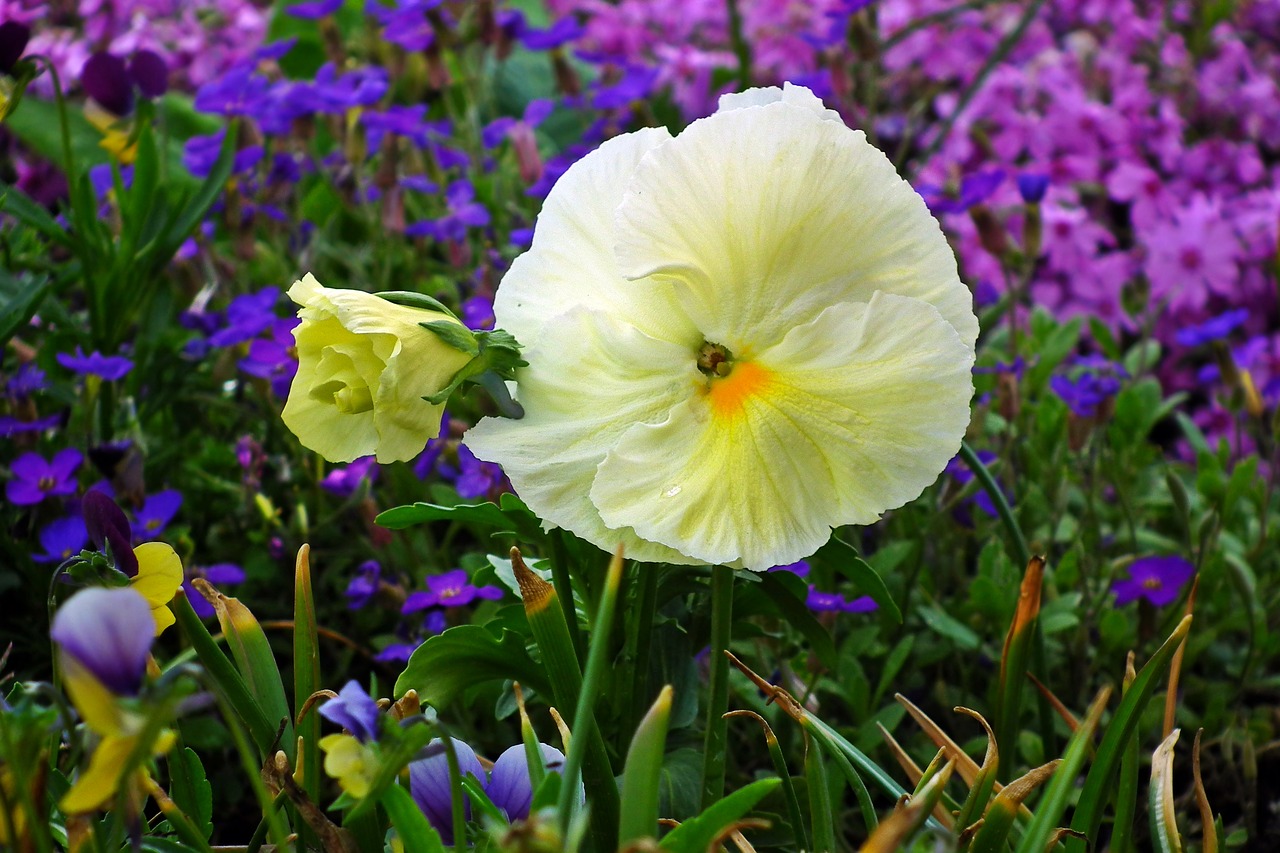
[189, 787]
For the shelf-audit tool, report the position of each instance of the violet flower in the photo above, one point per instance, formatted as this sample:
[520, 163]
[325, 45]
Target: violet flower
[14, 36]
[1214, 329]
[111, 83]
[799, 569]
[109, 367]
[562, 32]
[219, 574]
[109, 530]
[62, 539]
[314, 10]
[343, 481]
[451, 589]
[429, 784]
[274, 358]
[1032, 186]
[1157, 579]
[34, 479]
[364, 586]
[354, 710]
[99, 629]
[26, 381]
[834, 602]
[156, 513]
[248, 315]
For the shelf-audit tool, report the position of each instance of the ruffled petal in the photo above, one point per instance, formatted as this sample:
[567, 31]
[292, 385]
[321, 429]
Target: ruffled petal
[571, 262]
[159, 573]
[848, 416]
[590, 378]
[797, 96]
[765, 215]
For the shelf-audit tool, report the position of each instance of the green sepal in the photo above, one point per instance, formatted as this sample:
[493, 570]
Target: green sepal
[410, 299]
[454, 334]
[495, 354]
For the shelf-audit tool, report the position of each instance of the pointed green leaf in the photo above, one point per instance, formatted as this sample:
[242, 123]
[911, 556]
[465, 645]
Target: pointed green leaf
[696, 834]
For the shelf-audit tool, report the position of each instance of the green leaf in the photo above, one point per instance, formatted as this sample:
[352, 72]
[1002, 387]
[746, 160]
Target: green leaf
[638, 816]
[189, 787]
[416, 300]
[446, 665]
[417, 835]
[696, 834]
[512, 516]
[844, 558]
[25, 209]
[1055, 347]
[938, 620]
[22, 299]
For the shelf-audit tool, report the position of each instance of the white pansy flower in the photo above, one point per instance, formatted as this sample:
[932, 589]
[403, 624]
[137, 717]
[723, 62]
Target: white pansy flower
[738, 338]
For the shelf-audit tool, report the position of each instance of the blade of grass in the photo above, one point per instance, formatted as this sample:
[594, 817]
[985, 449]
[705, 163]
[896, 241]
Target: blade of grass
[641, 775]
[1160, 806]
[780, 767]
[306, 680]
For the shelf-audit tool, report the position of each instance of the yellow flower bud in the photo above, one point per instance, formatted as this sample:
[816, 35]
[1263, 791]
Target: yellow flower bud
[364, 365]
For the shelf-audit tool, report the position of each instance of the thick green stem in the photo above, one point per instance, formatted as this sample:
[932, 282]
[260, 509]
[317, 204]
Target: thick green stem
[717, 734]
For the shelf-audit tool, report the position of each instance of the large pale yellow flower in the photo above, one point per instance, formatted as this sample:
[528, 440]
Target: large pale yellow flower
[737, 339]
[364, 366]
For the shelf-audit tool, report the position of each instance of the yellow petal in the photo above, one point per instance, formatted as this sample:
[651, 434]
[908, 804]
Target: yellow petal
[767, 214]
[98, 784]
[850, 415]
[591, 376]
[164, 618]
[159, 573]
[97, 705]
[347, 760]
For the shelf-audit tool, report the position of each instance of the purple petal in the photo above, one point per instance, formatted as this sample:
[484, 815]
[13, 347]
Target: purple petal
[429, 784]
[106, 80]
[13, 41]
[108, 631]
[224, 574]
[30, 466]
[313, 10]
[65, 462]
[150, 73]
[23, 492]
[419, 601]
[109, 529]
[510, 787]
[862, 604]
[355, 711]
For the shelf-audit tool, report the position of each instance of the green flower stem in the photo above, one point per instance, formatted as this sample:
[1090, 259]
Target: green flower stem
[563, 582]
[639, 640]
[1022, 553]
[585, 732]
[717, 734]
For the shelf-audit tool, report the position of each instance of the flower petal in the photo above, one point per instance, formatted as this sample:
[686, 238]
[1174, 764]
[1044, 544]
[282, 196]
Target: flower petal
[590, 378]
[108, 632]
[429, 784]
[850, 415]
[510, 787]
[571, 262]
[159, 573]
[98, 784]
[765, 215]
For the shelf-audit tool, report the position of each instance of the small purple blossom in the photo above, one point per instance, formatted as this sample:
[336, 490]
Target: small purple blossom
[274, 358]
[1157, 579]
[109, 367]
[156, 513]
[1032, 186]
[219, 574]
[1214, 329]
[429, 784]
[101, 631]
[799, 569]
[248, 315]
[35, 479]
[834, 602]
[510, 786]
[313, 10]
[1095, 384]
[364, 586]
[344, 481]
[474, 478]
[61, 539]
[563, 31]
[26, 381]
[477, 312]
[451, 589]
[354, 710]
[109, 529]
[14, 36]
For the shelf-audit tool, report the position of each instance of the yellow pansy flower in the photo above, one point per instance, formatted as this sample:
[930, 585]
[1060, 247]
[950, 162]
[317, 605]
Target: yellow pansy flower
[738, 339]
[352, 763]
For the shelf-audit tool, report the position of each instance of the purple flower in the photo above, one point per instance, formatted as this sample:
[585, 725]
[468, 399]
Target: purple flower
[105, 78]
[1214, 329]
[344, 481]
[34, 479]
[219, 574]
[405, 24]
[25, 381]
[355, 711]
[464, 212]
[248, 316]
[800, 569]
[429, 784]
[1157, 579]
[636, 84]
[109, 529]
[15, 426]
[156, 513]
[510, 786]
[1032, 186]
[959, 471]
[332, 93]
[974, 189]
[313, 10]
[103, 630]
[61, 539]
[561, 32]
[477, 312]
[239, 92]
[397, 653]
[1098, 382]
[834, 602]
[109, 367]
[201, 153]
[13, 41]
[364, 586]
[451, 589]
[274, 358]
[474, 478]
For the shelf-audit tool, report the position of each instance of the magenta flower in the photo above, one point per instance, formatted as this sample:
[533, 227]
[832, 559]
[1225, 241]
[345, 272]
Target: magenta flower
[1157, 579]
[451, 589]
[34, 479]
